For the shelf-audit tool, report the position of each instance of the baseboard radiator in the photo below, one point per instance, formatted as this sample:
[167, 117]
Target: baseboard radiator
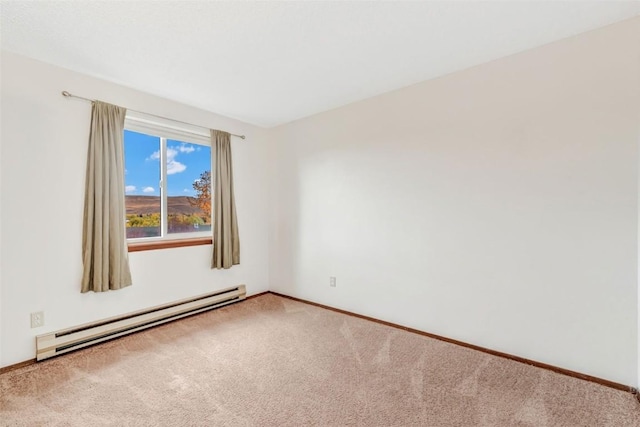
[64, 341]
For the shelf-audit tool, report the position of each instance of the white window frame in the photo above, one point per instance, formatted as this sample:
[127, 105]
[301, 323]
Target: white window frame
[167, 130]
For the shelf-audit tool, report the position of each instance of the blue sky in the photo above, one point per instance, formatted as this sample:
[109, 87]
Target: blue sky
[185, 163]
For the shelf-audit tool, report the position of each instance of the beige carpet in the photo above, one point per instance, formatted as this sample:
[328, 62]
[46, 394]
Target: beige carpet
[270, 361]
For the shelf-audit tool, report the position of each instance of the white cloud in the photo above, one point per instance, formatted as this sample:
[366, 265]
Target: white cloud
[186, 190]
[173, 166]
[130, 188]
[148, 190]
[184, 148]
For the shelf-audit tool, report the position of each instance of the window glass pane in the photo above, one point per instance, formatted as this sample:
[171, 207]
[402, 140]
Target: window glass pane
[188, 187]
[142, 176]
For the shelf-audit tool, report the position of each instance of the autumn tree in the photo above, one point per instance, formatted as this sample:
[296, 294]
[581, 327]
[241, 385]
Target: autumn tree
[203, 193]
[146, 220]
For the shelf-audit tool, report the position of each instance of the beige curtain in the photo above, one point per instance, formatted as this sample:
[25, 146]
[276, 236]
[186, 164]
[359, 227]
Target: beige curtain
[226, 243]
[104, 244]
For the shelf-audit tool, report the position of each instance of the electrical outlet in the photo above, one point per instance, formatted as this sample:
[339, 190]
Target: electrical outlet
[37, 319]
[332, 282]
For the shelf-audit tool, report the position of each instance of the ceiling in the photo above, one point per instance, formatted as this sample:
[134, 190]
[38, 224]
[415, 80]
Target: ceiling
[269, 63]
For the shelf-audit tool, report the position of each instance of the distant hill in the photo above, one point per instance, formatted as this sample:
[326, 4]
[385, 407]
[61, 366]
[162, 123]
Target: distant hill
[143, 205]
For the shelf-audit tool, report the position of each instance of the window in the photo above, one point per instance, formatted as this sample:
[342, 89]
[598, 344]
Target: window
[167, 181]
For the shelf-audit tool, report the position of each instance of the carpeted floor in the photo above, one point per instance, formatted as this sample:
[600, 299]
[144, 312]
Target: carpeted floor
[270, 361]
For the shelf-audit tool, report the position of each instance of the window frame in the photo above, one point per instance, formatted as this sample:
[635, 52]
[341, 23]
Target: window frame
[166, 130]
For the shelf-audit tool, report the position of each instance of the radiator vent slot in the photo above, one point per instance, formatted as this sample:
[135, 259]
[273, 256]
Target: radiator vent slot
[64, 341]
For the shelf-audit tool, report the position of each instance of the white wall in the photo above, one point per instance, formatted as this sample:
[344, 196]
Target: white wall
[44, 140]
[496, 206]
[1, 250]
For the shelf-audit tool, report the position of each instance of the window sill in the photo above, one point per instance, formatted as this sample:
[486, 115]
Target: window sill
[166, 244]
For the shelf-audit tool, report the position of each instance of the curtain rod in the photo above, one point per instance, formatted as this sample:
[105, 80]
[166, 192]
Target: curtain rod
[69, 95]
